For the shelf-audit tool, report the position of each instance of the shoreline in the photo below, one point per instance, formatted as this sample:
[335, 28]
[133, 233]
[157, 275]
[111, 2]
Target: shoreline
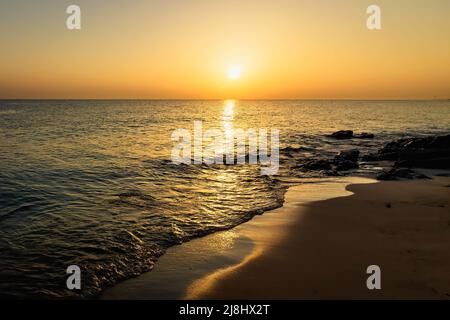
[317, 246]
[182, 266]
[401, 226]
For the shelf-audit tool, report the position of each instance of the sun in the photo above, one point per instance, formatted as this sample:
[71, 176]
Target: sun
[234, 72]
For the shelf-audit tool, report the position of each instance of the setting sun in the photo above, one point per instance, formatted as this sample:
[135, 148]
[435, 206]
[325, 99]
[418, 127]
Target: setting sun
[234, 73]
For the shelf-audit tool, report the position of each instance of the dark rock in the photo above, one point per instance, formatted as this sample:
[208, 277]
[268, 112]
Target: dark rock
[364, 135]
[342, 134]
[370, 157]
[345, 165]
[332, 173]
[428, 152]
[348, 134]
[350, 155]
[291, 150]
[401, 174]
[443, 174]
[433, 163]
[316, 165]
[346, 160]
[441, 142]
[414, 144]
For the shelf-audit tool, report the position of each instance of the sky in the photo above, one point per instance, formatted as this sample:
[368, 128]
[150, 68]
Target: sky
[186, 49]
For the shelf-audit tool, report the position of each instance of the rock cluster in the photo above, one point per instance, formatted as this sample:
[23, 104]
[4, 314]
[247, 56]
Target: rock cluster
[429, 152]
[401, 174]
[344, 161]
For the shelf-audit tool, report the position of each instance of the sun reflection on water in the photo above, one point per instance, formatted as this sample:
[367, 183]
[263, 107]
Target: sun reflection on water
[228, 110]
[227, 121]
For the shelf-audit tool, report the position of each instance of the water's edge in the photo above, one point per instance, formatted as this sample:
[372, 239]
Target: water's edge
[187, 266]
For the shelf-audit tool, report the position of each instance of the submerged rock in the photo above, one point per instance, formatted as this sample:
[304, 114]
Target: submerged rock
[290, 150]
[350, 155]
[348, 134]
[342, 134]
[364, 135]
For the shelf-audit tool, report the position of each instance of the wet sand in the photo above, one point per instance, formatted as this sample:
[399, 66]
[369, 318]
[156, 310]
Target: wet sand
[313, 248]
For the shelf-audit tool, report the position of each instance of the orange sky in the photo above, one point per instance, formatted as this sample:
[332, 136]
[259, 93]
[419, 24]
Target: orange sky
[183, 49]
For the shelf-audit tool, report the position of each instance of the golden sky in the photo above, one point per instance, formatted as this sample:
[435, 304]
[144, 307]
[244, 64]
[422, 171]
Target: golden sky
[182, 49]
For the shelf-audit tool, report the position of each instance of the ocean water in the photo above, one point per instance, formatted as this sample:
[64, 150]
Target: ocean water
[91, 182]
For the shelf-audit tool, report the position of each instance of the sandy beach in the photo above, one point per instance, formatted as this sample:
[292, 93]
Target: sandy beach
[401, 226]
[318, 246]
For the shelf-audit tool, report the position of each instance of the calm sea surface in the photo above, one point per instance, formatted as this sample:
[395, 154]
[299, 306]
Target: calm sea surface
[91, 182]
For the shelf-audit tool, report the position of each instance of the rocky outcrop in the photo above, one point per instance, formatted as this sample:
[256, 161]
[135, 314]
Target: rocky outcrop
[345, 160]
[345, 165]
[428, 152]
[350, 155]
[401, 174]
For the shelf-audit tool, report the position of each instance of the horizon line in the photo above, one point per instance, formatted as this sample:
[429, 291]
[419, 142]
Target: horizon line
[218, 99]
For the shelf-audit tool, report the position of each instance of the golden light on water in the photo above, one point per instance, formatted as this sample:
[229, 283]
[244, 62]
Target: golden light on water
[228, 118]
[228, 110]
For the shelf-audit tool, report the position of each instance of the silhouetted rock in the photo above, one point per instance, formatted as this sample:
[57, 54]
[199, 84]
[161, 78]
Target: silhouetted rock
[432, 163]
[370, 157]
[346, 160]
[401, 174]
[342, 134]
[350, 155]
[364, 135]
[289, 150]
[345, 165]
[428, 152]
[417, 144]
[332, 173]
[348, 134]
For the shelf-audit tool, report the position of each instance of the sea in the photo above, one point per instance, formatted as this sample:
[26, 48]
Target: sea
[92, 182]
